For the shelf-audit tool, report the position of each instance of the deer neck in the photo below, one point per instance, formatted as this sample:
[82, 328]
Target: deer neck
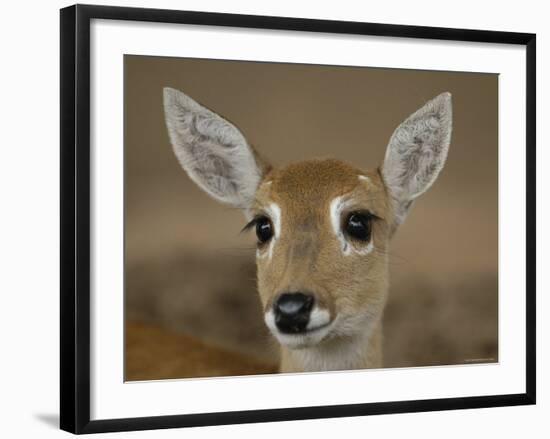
[363, 351]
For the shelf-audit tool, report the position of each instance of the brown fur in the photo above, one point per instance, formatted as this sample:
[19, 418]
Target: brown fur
[154, 353]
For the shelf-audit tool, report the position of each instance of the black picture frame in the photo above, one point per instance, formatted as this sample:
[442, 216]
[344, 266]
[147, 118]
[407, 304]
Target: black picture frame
[75, 217]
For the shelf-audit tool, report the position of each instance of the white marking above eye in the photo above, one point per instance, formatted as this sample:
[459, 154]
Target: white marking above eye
[363, 177]
[337, 206]
[274, 213]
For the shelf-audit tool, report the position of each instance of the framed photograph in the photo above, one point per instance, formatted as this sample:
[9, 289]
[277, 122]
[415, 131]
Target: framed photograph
[274, 218]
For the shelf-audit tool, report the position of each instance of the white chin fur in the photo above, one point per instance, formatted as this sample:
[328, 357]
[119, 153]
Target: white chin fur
[317, 329]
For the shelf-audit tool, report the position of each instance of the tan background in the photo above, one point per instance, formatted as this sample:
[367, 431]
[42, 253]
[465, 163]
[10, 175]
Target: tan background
[188, 269]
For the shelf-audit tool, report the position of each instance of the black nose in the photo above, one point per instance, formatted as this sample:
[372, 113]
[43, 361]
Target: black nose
[292, 312]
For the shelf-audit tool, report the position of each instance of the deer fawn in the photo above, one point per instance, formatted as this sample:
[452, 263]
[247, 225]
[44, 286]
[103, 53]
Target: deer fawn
[323, 226]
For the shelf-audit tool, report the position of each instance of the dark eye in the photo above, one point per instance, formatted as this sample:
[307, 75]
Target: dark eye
[264, 229]
[358, 226]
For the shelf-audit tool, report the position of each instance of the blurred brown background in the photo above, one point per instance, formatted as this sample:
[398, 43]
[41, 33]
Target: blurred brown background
[191, 303]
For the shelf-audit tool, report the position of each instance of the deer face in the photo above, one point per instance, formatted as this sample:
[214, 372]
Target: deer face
[322, 231]
[323, 226]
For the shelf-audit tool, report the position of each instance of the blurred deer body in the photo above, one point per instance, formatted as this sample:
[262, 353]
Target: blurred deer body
[323, 226]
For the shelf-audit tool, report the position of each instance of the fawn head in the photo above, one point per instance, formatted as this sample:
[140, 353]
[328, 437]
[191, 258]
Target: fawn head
[323, 226]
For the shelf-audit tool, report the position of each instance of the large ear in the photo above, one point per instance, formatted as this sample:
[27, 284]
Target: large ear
[212, 150]
[417, 152]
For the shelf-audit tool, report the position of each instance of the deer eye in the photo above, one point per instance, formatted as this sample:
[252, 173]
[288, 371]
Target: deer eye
[358, 226]
[264, 229]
